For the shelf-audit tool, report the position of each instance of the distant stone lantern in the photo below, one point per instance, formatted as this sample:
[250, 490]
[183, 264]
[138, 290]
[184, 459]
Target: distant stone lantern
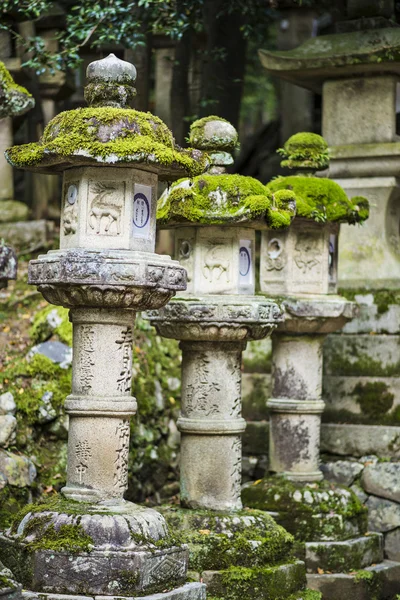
[301, 264]
[111, 157]
[214, 217]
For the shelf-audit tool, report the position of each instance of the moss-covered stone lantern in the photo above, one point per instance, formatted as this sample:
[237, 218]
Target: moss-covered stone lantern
[91, 541]
[301, 264]
[214, 217]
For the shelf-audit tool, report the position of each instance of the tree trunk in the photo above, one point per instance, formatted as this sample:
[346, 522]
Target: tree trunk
[180, 101]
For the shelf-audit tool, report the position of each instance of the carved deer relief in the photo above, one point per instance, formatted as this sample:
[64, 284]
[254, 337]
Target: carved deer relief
[107, 203]
[215, 261]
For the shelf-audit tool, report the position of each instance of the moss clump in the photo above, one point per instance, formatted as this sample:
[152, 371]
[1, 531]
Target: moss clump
[305, 151]
[322, 199]
[12, 500]
[15, 99]
[383, 299]
[308, 511]
[218, 199]
[67, 537]
[51, 320]
[224, 137]
[107, 135]
[374, 398]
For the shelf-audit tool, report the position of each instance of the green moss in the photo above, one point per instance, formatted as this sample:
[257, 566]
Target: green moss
[15, 99]
[6, 582]
[304, 509]
[383, 299]
[374, 398]
[12, 500]
[218, 199]
[357, 363]
[49, 320]
[305, 151]
[322, 199]
[108, 135]
[215, 142]
[67, 537]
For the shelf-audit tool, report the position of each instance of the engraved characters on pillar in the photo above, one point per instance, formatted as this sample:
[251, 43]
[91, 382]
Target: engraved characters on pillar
[86, 358]
[124, 344]
[83, 453]
[201, 395]
[121, 460]
[236, 471]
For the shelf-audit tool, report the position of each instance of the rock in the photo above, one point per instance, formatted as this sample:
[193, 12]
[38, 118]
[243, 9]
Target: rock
[8, 425]
[343, 472]
[359, 492]
[56, 351]
[369, 459]
[25, 235]
[10, 589]
[382, 479]
[383, 515]
[12, 210]
[18, 469]
[360, 440]
[59, 427]
[46, 411]
[7, 404]
[392, 545]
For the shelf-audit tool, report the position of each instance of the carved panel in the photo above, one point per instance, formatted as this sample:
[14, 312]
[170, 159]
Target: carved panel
[83, 453]
[124, 344]
[121, 461]
[201, 395]
[307, 252]
[217, 261]
[86, 358]
[70, 209]
[106, 207]
[275, 256]
[236, 472]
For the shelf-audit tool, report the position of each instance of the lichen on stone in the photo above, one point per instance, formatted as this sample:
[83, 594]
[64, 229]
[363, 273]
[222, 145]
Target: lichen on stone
[213, 133]
[14, 99]
[305, 150]
[219, 199]
[108, 135]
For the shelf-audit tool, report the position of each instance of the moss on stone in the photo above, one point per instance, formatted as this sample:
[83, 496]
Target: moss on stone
[107, 135]
[305, 151]
[322, 199]
[218, 199]
[12, 501]
[308, 511]
[15, 99]
[71, 537]
[51, 320]
[198, 139]
[383, 299]
[374, 398]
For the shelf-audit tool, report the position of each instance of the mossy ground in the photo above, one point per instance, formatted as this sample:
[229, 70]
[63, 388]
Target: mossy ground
[218, 199]
[127, 134]
[322, 199]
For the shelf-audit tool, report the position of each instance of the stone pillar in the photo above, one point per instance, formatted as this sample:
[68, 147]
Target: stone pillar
[6, 172]
[164, 58]
[296, 406]
[100, 405]
[211, 425]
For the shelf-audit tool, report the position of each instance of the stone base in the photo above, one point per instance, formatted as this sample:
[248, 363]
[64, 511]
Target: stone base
[378, 582]
[311, 512]
[239, 555]
[104, 549]
[344, 556]
[189, 591]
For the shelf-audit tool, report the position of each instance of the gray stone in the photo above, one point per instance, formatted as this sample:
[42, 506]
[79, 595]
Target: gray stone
[359, 492]
[27, 235]
[8, 264]
[7, 404]
[12, 210]
[46, 411]
[343, 472]
[392, 544]
[343, 392]
[8, 425]
[382, 479]
[342, 586]
[358, 440]
[344, 556]
[10, 589]
[383, 515]
[56, 351]
[18, 469]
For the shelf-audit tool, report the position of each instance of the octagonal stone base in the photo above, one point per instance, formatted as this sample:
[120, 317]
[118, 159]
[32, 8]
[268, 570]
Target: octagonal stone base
[222, 318]
[107, 278]
[76, 548]
[318, 314]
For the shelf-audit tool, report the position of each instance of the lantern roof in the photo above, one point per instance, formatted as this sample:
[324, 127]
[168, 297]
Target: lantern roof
[14, 99]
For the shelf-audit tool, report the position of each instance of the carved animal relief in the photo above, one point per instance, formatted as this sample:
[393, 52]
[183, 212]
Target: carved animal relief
[216, 264]
[106, 203]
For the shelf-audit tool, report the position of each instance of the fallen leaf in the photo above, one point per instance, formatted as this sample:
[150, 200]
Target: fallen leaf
[320, 571]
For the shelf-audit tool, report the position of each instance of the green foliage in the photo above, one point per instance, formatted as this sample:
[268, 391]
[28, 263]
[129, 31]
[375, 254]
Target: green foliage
[130, 135]
[305, 150]
[43, 325]
[322, 199]
[218, 199]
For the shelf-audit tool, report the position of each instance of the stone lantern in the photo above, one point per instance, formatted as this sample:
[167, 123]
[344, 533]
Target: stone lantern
[301, 264]
[214, 217]
[91, 541]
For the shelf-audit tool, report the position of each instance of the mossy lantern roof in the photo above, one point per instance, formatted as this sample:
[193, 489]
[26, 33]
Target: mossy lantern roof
[218, 198]
[108, 132]
[335, 56]
[14, 99]
[317, 198]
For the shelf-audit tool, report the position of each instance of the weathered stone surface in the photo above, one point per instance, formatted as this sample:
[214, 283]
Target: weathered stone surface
[256, 390]
[344, 556]
[359, 440]
[370, 318]
[392, 544]
[8, 425]
[12, 210]
[343, 472]
[10, 589]
[359, 492]
[7, 404]
[19, 470]
[361, 354]
[8, 264]
[189, 591]
[383, 515]
[46, 410]
[382, 578]
[56, 351]
[382, 479]
[26, 235]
